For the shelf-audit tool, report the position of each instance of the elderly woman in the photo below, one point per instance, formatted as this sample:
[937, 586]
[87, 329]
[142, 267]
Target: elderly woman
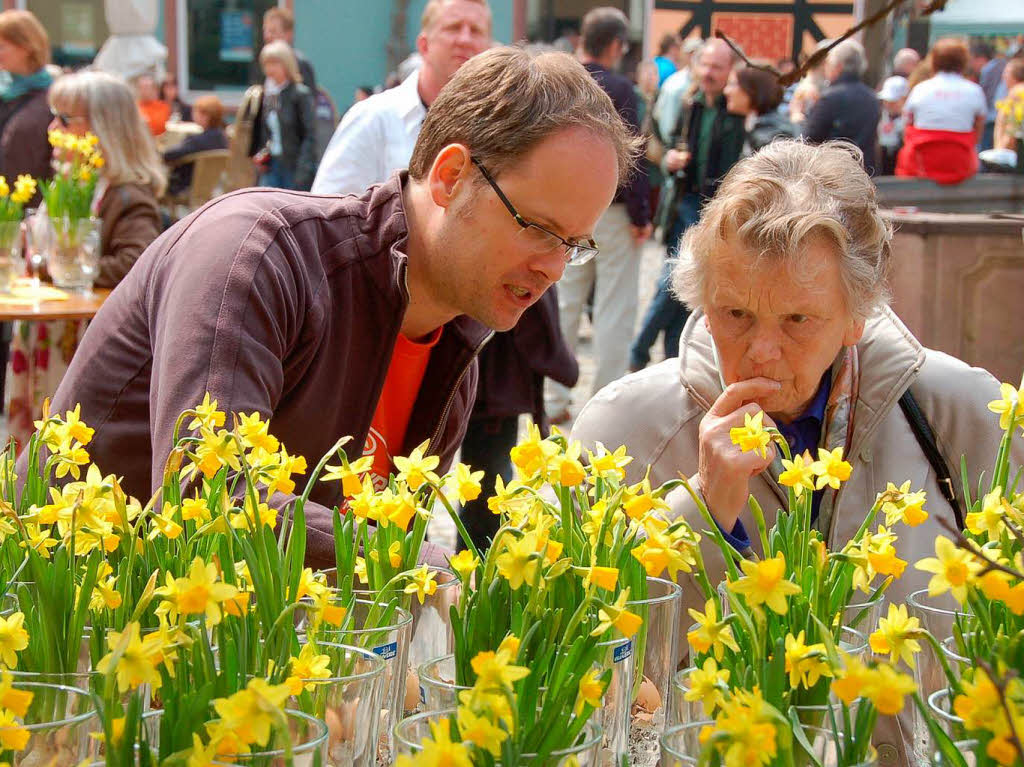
[125, 201]
[787, 274]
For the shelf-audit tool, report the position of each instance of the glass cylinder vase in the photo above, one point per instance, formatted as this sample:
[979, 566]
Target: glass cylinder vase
[55, 728]
[12, 265]
[74, 256]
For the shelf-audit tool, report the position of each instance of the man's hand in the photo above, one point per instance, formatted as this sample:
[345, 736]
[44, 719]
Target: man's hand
[640, 234]
[676, 160]
[724, 471]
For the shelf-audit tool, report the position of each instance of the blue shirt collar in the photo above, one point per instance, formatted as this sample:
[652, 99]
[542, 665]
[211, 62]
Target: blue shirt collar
[804, 432]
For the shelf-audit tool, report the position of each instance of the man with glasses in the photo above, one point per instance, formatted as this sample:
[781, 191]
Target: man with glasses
[358, 315]
[612, 276]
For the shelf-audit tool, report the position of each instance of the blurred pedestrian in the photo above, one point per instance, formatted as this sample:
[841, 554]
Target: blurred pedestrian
[756, 94]
[848, 109]
[279, 25]
[987, 65]
[893, 96]
[705, 143]
[668, 55]
[646, 97]
[24, 111]
[125, 201]
[945, 119]
[626, 225]
[283, 145]
[376, 136]
[209, 115]
[362, 93]
[809, 88]
[1009, 121]
[171, 95]
[904, 62]
[673, 92]
[154, 110]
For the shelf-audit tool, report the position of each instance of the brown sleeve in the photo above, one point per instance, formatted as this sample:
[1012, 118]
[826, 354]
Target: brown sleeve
[131, 222]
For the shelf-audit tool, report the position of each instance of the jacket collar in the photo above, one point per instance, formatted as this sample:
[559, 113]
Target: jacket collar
[889, 360]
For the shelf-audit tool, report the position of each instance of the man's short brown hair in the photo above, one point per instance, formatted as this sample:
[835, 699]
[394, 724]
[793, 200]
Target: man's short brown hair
[602, 27]
[503, 102]
[950, 55]
[284, 16]
[22, 28]
[1015, 67]
[433, 9]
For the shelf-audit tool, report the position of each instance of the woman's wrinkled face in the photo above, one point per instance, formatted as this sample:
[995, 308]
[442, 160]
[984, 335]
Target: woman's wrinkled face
[786, 324]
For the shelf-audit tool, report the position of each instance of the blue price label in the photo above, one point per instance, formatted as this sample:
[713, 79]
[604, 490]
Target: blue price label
[423, 694]
[387, 651]
[623, 651]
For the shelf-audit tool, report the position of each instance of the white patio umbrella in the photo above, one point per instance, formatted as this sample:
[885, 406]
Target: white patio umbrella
[131, 48]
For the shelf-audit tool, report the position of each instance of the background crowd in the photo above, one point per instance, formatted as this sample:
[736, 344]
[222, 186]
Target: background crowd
[941, 114]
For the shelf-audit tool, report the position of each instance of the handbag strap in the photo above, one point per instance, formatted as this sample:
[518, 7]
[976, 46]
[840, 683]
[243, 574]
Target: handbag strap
[926, 439]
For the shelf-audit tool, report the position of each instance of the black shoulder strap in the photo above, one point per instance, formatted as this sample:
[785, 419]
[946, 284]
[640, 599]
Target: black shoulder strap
[926, 439]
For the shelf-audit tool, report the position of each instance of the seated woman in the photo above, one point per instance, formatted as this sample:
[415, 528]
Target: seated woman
[131, 180]
[209, 113]
[787, 274]
[944, 119]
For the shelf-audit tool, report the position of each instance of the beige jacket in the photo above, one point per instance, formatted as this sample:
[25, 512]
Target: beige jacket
[656, 413]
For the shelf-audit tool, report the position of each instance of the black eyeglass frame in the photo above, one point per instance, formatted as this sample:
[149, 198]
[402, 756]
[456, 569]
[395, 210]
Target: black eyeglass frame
[65, 119]
[584, 251]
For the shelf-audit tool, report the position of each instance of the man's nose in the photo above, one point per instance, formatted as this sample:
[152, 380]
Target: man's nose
[550, 265]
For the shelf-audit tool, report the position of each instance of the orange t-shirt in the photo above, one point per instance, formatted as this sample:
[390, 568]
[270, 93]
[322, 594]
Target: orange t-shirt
[155, 113]
[391, 418]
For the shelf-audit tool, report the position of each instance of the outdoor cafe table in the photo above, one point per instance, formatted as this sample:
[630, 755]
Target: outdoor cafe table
[77, 306]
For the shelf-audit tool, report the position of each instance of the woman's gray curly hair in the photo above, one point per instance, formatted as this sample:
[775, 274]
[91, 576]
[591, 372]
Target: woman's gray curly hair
[775, 201]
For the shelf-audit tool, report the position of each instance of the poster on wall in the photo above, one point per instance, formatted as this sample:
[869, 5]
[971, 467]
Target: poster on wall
[78, 28]
[236, 36]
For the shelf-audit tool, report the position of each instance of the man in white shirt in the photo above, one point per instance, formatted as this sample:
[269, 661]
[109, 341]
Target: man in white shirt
[377, 135]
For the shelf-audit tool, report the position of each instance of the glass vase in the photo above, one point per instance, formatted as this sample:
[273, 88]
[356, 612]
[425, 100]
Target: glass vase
[74, 256]
[12, 265]
[411, 731]
[305, 744]
[58, 721]
[937, 615]
[349, 702]
[385, 631]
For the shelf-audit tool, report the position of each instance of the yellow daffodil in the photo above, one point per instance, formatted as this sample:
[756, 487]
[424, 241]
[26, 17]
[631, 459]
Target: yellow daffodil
[480, 731]
[417, 469]
[765, 583]
[671, 548]
[751, 436]
[438, 751]
[254, 432]
[421, 583]
[605, 577]
[349, 474]
[798, 474]
[899, 504]
[618, 616]
[805, 663]
[567, 470]
[208, 417]
[519, 560]
[495, 670]
[137, 660]
[980, 705]
[744, 733]
[14, 700]
[708, 684]
[467, 483]
[394, 554]
[889, 688]
[215, 450]
[310, 584]
[711, 634]
[830, 468]
[309, 667]
[952, 569]
[201, 592]
[13, 638]
[1009, 406]
[989, 520]
[897, 635]
[195, 509]
[532, 456]
[13, 734]
[165, 523]
[252, 713]
[590, 692]
[24, 189]
[464, 563]
[608, 465]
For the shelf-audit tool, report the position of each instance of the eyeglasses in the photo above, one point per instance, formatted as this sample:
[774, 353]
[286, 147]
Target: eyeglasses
[542, 240]
[65, 119]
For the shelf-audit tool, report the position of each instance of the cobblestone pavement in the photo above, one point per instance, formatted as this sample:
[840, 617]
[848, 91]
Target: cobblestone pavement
[441, 529]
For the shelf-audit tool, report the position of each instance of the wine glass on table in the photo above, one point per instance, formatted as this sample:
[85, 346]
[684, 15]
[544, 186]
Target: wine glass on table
[38, 241]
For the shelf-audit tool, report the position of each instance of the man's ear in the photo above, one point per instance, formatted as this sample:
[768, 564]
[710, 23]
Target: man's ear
[421, 44]
[449, 174]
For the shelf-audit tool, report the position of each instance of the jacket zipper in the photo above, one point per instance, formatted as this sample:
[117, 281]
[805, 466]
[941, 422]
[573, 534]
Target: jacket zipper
[454, 390]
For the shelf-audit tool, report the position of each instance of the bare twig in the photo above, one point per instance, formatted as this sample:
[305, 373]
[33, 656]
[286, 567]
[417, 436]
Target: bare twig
[974, 550]
[818, 56]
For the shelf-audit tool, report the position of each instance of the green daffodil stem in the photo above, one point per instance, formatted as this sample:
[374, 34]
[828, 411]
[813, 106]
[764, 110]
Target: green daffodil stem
[459, 525]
